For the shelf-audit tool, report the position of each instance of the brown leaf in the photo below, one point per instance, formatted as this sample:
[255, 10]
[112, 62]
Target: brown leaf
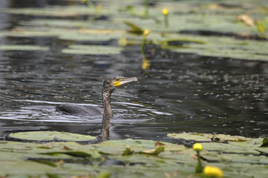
[246, 19]
[159, 144]
[194, 157]
[59, 163]
[214, 6]
[66, 148]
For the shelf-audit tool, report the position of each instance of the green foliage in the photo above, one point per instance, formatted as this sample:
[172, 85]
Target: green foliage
[208, 137]
[237, 159]
[92, 49]
[264, 142]
[134, 28]
[50, 136]
[262, 26]
[23, 48]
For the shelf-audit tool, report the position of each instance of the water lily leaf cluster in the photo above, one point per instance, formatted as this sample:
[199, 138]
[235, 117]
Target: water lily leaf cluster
[184, 16]
[241, 157]
[208, 137]
[50, 136]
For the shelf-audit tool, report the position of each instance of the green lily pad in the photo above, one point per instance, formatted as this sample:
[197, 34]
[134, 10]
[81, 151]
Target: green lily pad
[26, 167]
[155, 151]
[207, 137]
[23, 48]
[92, 49]
[56, 11]
[71, 153]
[50, 136]
[236, 159]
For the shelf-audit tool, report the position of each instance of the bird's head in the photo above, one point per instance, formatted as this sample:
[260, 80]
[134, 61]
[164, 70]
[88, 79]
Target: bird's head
[111, 83]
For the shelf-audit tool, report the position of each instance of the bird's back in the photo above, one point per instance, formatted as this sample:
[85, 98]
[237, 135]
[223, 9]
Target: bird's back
[78, 110]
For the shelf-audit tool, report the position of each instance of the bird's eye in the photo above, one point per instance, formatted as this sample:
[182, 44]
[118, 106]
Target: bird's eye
[117, 79]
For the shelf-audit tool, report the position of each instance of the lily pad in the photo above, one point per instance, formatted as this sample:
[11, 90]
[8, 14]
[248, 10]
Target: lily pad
[50, 136]
[23, 48]
[155, 151]
[207, 137]
[92, 49]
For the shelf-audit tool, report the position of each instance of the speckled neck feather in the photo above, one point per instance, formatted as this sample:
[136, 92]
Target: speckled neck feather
[106, 99]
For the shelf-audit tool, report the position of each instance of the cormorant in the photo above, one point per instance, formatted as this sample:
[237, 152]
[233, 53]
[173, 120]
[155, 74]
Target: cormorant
[108, 87]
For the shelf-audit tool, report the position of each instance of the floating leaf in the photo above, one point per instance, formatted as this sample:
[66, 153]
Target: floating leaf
[158, 143]
[56, 11]
[50, 136]
[23, 48]
[155, 151]
[246, 19]
[104, 175]
[92, 49]
[207, 137]
[52, 175]
[27, 167]
[71, 153]
[95, 155]
[45, 162]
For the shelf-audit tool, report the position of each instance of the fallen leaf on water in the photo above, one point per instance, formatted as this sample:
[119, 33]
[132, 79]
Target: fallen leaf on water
[66, 148]
[214, 6]
[60, 163]
[155, 151]
[159, 144]
[246, 19]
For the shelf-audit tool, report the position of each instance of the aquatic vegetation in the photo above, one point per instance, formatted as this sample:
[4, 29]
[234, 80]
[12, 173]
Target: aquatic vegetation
[165, 13]
[262, 26]
[198, 148]
[90, 4]
[122, 157]
[145, 63]
[213, 171]
[124, 22]
[92, 49]
[146, 5]
[264, 142]
[246, 19]
[184, 17]
[50, 136]
[23, 48]
[145, 34]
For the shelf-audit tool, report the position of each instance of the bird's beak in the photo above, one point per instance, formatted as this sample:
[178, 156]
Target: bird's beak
[123, 81]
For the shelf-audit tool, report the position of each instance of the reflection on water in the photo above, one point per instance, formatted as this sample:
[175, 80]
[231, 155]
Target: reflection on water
[177, 93]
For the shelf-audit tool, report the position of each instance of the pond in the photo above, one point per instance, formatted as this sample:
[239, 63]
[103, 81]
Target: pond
[177, 91]
[202, 70]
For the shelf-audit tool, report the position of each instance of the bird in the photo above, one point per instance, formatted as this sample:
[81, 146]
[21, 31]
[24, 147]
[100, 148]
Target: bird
[108, 87]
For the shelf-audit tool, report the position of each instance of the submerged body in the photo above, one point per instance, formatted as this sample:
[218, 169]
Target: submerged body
[108, 87]
[70, 109]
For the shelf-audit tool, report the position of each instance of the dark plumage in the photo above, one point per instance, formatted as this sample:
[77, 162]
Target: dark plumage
[108, 87]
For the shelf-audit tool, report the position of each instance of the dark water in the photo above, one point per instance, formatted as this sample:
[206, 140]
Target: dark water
[179, 93]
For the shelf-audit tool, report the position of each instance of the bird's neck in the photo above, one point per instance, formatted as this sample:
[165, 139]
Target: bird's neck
[106, 99]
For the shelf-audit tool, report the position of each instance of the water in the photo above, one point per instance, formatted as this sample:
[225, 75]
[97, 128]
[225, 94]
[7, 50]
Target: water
[179, 93]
